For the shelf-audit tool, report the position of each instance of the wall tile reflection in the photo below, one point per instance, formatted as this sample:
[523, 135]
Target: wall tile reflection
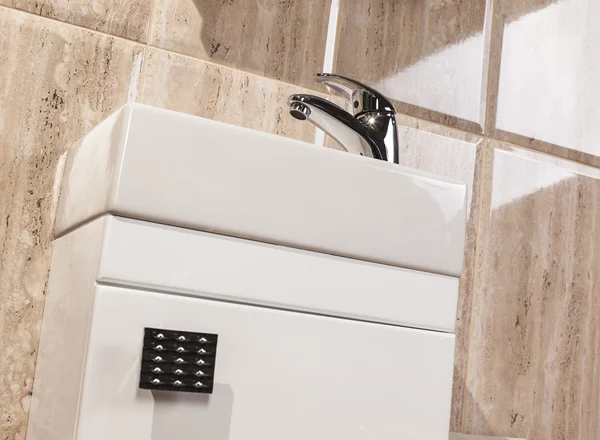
[446, 152]
[545, 83]
[279, 39]
[56, 83]
[216, 92]
[428, 55]
[534, 367]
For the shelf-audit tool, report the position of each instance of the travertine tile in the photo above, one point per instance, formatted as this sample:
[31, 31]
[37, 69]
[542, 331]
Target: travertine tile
[446, 152]
[128, 19]
[228, 95]
[279, 39]
[534, 362]
[429, 56]
[56, 83]
[544, 91]
[454, 436]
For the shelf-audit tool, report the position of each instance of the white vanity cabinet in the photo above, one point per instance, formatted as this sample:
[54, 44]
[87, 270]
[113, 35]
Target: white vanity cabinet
[334, 321]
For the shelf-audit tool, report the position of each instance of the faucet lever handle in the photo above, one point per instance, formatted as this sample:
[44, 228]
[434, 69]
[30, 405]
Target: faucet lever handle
[363, 98]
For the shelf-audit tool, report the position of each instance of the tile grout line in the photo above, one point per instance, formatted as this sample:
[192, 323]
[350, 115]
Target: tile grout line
[482, 176]
[328, 56]
[223, 66]
[151, 20]
[439, 124]
[76, 26]
[484, 153]
[332, 31]
[489, 35]
[151, 47]
[544, 153]
[338, 25]
[140, 97]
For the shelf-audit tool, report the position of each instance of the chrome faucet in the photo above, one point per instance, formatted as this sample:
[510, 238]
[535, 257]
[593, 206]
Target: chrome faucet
[370, 131]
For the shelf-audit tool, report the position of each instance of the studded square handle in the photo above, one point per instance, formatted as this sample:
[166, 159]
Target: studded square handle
[178, 361]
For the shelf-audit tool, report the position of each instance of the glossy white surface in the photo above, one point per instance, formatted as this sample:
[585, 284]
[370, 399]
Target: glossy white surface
[279, 375]
[548, 86]
[64, 336]
[197, 263]
[187, 171]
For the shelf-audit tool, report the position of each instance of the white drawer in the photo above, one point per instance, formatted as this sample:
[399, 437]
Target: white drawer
[142, 254]
[278, 375]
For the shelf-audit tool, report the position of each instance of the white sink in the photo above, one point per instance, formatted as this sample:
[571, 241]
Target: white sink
[167, 167]
[330, 279]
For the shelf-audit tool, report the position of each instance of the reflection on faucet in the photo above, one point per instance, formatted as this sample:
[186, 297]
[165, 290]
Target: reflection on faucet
[336, 122]
[371, 131]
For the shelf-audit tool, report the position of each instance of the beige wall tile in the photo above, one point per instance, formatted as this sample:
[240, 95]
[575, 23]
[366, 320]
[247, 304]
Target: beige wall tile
[534, 362]
[123, 18]
[228, 95]
[56, 83]
[478, 437]
[429, 55]
[279, 39]
[450, 153]
[544, 91]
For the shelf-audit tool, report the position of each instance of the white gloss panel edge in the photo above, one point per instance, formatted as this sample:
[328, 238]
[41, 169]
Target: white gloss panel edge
[64, 335]
[167, 258]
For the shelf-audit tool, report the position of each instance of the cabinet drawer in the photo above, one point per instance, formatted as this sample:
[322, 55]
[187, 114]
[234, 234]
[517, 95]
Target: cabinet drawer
[142, 254]
[279, 375]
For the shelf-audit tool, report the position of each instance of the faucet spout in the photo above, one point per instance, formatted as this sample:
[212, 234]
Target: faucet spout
[371, 131]
[347, 130]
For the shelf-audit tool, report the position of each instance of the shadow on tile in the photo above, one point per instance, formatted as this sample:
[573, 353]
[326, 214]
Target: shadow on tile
[284, 40]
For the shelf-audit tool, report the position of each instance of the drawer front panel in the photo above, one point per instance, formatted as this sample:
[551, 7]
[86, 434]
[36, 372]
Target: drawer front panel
[142, 254]
[278, 375]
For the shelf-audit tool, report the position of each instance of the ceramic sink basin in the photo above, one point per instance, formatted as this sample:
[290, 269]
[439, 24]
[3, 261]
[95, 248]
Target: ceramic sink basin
[166, 167]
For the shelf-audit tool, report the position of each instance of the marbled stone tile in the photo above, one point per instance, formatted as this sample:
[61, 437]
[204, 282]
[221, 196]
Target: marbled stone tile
[56, 83]
[534, 358]
[216, 92]
[282, 39]
[127, 19]
[429, 56]
[544, 91]
[450, 153]
[454, 436]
